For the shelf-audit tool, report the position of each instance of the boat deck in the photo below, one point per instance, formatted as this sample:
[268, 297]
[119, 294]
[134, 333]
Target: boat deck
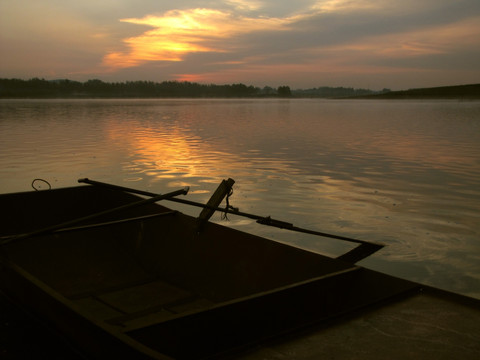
[140, 305]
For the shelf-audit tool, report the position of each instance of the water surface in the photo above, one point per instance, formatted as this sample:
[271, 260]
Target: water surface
[405, 173]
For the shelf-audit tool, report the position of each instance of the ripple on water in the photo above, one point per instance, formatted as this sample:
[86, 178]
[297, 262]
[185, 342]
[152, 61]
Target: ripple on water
[368, 170]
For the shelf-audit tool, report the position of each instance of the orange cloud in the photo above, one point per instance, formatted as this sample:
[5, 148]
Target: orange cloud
[179, 32]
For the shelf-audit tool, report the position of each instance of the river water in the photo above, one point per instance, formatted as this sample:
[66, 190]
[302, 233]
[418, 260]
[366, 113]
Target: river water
[404, 173]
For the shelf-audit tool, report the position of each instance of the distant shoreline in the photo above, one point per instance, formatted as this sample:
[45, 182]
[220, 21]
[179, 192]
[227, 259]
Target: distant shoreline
[467, 92]
[97, 89]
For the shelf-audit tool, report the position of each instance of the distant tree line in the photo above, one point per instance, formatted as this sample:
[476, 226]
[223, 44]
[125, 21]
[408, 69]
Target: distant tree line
[63, 88]
[335, 92]
[40, 88]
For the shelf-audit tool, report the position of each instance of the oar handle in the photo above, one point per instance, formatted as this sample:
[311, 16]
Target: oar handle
[141, 192]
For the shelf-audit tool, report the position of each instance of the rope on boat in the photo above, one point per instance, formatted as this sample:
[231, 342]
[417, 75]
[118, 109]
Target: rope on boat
[39, 187]
[224, 215]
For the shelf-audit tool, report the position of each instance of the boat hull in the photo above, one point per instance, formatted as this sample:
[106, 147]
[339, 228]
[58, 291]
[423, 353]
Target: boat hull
[146, 283]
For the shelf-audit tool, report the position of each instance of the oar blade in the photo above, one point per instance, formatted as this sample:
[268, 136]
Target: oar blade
[360, 252]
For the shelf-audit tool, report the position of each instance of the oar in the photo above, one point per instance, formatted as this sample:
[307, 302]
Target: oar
[69, 223]
[145, 193]
[260, 219]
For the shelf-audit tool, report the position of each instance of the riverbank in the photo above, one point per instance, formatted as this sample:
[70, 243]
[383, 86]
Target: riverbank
[466, 92]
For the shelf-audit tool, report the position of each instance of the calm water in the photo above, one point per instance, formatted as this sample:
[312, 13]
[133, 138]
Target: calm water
[405, 173]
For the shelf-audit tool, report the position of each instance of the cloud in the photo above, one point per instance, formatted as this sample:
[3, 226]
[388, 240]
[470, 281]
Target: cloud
[180, 32]
[246, 5]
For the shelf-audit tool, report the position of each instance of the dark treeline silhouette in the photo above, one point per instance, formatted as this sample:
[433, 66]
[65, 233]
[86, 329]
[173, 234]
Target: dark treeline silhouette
[63, 88]
[284, 91]
[40, 88]
[335, 92]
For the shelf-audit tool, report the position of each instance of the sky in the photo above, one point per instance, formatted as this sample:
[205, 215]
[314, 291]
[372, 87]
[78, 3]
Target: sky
[372, 44]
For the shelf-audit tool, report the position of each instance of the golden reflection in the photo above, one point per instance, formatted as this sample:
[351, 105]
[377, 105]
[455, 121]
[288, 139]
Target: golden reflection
[169, 153]
[164, 153]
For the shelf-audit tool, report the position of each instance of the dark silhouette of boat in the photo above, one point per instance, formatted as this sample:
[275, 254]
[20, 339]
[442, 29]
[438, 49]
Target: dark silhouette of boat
[144, 281]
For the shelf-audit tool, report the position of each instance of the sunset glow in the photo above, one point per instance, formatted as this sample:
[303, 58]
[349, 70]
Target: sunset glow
[306, 43]
[179, 33]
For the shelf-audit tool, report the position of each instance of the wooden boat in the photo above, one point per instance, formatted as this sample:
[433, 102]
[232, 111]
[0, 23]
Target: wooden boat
[146, 282]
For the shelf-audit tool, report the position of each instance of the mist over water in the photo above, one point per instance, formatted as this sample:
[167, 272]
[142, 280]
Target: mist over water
[404, 173]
